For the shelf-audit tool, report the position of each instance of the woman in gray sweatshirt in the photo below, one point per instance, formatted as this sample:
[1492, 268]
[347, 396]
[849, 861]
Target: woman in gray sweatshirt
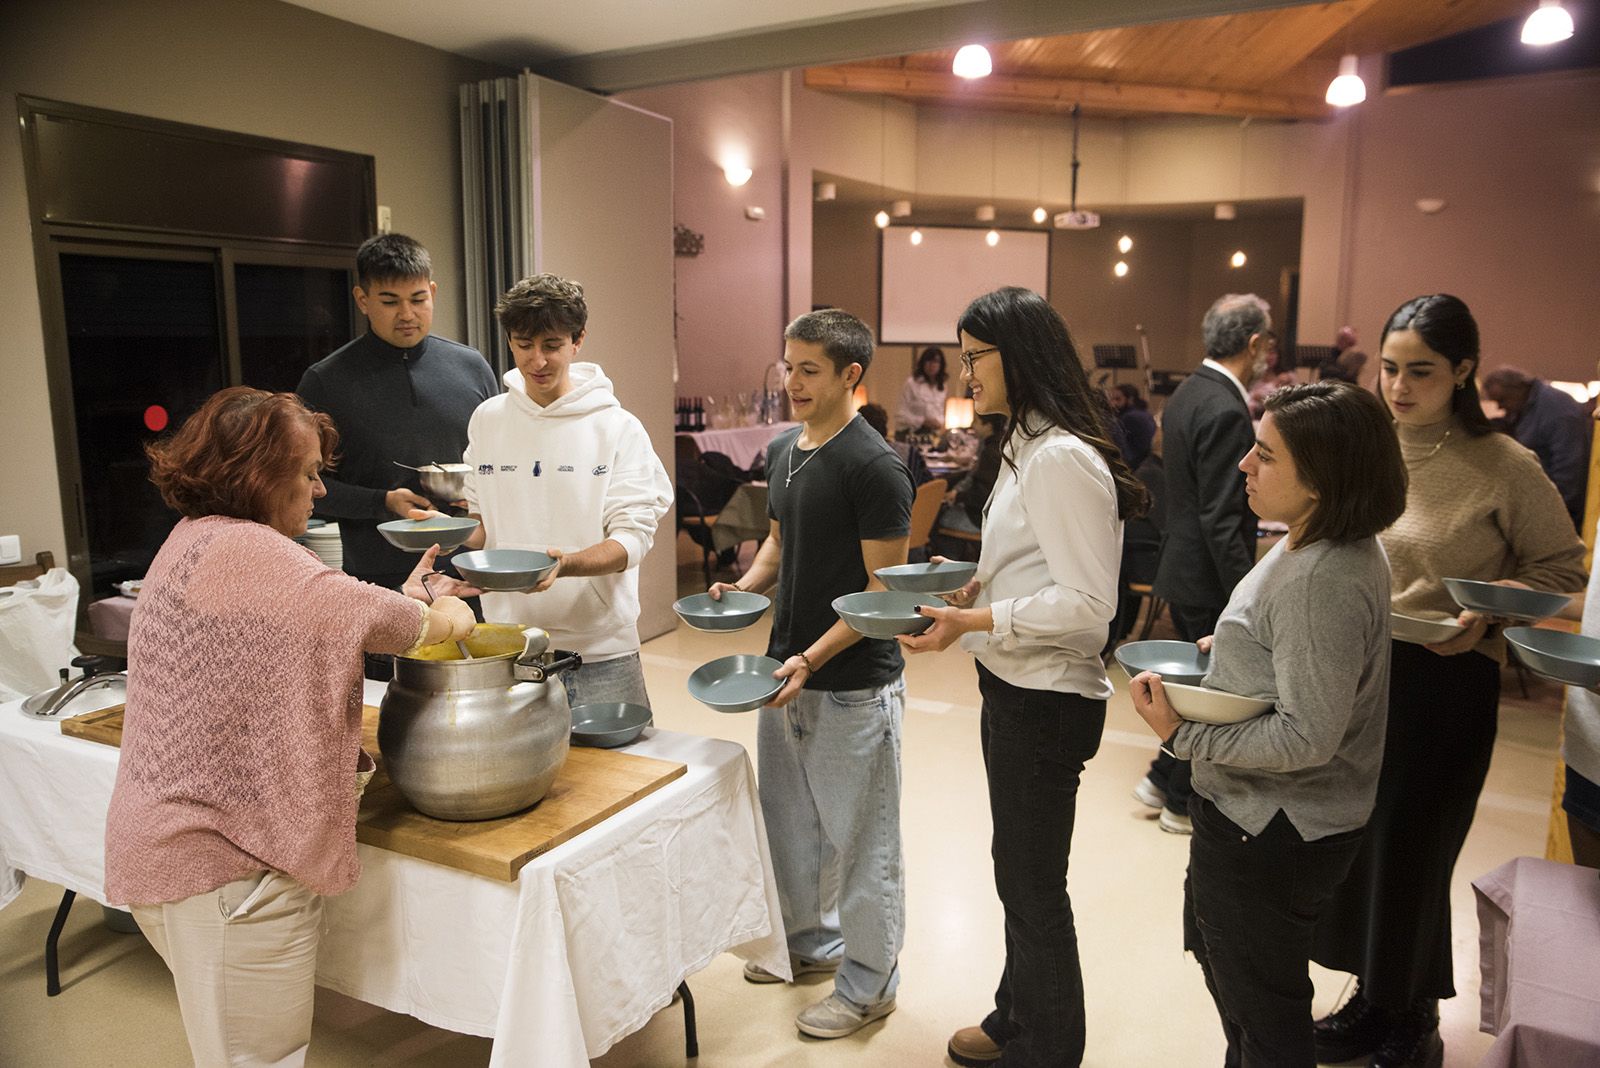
[1280, 800]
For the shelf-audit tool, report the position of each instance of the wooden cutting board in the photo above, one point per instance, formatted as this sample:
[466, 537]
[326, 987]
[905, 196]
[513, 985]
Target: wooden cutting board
[593, 784]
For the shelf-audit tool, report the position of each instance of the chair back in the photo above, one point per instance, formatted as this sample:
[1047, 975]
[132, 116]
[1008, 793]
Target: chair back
[924, 510]
[15, 573]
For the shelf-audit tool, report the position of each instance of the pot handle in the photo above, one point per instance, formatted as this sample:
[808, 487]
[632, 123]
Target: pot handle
[539, 672]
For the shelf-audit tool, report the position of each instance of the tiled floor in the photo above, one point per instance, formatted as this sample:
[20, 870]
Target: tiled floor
[1147, 1004]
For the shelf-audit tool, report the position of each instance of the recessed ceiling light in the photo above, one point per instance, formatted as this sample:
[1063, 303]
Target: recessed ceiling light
[882, 219]
[1124, 244]
[1237, 259]
[1120, 270]
[992, 238]
[1040, 215]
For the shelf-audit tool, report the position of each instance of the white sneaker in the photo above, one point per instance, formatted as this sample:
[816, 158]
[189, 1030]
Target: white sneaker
[833, 1017]
[1175, 822]
[754, 973]
[1149, 794]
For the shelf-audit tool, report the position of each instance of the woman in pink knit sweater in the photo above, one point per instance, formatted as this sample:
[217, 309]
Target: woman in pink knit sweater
[235, 804]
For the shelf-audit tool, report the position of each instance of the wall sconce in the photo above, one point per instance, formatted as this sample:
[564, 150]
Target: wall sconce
[736, 174]
[957, 413]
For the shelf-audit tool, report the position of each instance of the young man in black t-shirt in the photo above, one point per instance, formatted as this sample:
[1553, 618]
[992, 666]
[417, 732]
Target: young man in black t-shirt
[828, 746]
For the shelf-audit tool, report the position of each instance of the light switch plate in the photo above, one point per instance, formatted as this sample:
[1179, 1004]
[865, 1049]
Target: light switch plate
[384, 219]
[10, 549]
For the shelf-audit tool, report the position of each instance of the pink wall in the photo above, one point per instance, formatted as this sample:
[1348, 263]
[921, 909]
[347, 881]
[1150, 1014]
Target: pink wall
[1518, 165]
[729, 298]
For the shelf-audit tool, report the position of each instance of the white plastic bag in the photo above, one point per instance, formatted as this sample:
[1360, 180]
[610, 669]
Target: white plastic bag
[36, 629]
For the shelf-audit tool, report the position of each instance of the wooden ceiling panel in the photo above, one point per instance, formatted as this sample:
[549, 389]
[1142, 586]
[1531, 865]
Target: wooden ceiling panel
[1264, 63]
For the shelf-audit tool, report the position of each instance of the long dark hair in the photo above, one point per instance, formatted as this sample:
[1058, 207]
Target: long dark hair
[1045, 378]
[1446, 326]
[932, 352]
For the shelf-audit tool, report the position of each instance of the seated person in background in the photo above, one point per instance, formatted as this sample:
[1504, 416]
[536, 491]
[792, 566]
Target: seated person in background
[1274, 378]
[878, 419]
[1347, 360]
[921, 407]
[1138, 425]
[965, 500]
[559, 466]
[1552, 424]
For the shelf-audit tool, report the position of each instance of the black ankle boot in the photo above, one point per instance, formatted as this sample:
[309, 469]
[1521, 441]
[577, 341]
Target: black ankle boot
[1413, 1040]
[1356, 1030]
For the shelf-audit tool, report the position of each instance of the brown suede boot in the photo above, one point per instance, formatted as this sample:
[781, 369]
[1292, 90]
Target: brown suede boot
[971, 1047]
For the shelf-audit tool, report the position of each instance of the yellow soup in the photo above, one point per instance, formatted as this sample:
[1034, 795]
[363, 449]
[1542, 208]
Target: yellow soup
[487, 639]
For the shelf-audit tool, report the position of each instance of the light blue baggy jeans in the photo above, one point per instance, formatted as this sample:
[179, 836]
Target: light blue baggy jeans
[830, 794]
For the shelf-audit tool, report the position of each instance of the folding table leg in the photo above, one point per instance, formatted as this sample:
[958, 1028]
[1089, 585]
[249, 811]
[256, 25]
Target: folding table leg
[691, 1041]
[52, 973]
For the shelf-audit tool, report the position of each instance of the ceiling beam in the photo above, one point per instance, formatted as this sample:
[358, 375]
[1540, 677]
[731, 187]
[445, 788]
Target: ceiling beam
[842, 40]
[1059, 94]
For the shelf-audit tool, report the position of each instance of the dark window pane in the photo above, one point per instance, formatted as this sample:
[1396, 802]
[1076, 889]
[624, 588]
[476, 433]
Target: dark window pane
[143, 343]
[289, 318]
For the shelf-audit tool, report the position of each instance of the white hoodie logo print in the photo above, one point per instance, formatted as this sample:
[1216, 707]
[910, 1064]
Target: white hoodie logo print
[602, 469]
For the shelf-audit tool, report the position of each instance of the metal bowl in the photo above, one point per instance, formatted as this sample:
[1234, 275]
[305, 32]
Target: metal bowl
[1180, 662]
[608, 725]
[885, 613]
[419, 535]
[735, 611]
[928, 578]
[1507, 602]
[1418, 631]
[739, 683]
[445, 482]
[1573, 659]
[505, 570]
[1213, 706]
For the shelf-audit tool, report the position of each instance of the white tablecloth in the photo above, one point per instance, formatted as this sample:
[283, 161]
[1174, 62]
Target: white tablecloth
[584, 948]
[741, 444]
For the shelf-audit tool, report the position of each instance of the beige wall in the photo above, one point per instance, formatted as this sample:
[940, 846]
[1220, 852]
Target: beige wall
[250, 66]
[730, 299]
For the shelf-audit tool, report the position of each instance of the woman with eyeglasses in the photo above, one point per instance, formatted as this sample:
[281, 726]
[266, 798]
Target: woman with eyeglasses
[1035, 617]
[1479, 507]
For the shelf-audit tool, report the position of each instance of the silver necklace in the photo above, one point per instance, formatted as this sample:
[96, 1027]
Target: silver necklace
[793, 470]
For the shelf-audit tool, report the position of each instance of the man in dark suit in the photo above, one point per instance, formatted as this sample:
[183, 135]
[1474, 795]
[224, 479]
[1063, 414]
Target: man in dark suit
[1209, 543]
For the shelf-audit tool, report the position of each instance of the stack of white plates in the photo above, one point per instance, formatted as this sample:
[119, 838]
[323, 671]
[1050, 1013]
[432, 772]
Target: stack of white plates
[324, 541]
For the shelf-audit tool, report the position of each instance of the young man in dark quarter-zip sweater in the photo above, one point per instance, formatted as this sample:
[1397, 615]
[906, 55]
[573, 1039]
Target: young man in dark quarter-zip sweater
[397, 395]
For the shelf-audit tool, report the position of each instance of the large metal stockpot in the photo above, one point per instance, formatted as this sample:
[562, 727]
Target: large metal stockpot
[477, 738]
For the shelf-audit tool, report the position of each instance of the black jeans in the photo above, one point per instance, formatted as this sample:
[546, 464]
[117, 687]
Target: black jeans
[1250, 909]
[1170, 774]
[1035, 744]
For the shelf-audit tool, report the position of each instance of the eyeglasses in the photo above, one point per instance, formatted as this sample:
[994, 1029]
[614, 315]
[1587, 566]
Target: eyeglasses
[970, 356]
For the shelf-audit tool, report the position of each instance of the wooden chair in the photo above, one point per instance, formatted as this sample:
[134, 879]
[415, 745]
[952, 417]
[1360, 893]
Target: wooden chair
[15, 573]
[924, 511]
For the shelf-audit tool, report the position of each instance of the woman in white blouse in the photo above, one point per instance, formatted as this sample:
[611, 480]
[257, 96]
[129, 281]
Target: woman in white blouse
[922, 397]
[1035, 617]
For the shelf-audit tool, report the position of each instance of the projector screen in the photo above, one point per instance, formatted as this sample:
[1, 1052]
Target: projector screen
[927, 286]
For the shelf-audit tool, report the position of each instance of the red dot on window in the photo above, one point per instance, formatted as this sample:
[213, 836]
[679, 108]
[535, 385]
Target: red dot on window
[155, 417]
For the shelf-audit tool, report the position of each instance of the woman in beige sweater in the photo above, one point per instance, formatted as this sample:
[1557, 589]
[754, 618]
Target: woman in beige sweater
[1478, 507]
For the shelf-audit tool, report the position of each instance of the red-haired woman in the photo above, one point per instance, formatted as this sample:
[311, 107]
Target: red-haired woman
[235, 803]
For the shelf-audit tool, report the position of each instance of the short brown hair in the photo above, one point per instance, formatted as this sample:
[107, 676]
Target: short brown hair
[235, 454]
[1346, 452]
[543, 304]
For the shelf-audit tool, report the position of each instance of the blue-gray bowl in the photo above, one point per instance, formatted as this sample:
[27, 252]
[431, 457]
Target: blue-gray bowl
[1507, 602]
[739, 683]
[735, 611]
[1573, 659]
[418, 535]
[928, 578]
[504, 570]
[885, 613]
[1180, 662]
[609, 724]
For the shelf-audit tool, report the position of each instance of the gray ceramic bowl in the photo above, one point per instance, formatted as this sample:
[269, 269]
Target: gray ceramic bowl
[885, 613]
[418, 535]
[928, 578]
[1573, 659]
[1180, 662]
[1509, 602]
[504, 570]
[735, 611]
[608, 725]
[1213, 706]
[739, 683]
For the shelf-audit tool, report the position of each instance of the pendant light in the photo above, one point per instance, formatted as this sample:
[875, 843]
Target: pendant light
[1549, 24]
[1347, 89]
[972, 61]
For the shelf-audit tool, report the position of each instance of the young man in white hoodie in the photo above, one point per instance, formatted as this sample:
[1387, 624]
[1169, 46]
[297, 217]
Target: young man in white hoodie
[560, 467]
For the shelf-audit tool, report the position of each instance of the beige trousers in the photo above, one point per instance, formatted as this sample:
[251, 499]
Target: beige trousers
[244, 958]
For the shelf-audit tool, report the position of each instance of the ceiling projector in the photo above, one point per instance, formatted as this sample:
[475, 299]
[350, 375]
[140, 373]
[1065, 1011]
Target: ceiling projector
[1077, 220]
